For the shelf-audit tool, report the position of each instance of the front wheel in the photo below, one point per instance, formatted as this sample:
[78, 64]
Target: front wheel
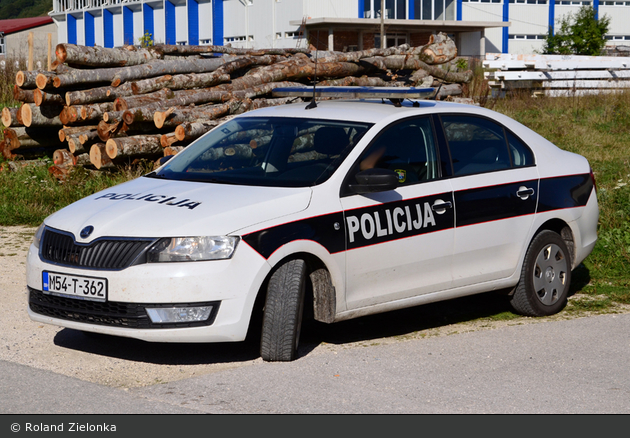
[282, 319]
[545, 277]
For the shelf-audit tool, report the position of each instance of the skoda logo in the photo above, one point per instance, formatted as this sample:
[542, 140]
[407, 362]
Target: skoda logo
[85, 232]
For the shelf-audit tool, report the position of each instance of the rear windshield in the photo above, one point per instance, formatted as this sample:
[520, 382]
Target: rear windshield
[278, 152]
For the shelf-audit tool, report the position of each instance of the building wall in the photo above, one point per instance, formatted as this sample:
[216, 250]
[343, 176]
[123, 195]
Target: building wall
[16, 44]
[265, 23]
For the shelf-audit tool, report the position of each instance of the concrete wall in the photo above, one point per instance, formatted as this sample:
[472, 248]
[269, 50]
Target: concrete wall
[16, 44]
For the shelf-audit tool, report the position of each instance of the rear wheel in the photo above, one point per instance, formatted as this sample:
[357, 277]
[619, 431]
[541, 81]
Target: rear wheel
[545, 277]
[284, 307]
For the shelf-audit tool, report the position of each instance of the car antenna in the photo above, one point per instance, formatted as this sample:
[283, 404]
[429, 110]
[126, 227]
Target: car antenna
[437, 92]
[312, 104]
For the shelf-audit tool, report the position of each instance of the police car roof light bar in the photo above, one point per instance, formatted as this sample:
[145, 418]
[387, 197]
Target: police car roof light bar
[398, 93]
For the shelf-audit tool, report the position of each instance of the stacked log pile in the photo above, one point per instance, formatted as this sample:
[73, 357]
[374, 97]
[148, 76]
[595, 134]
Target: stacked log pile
[100, 107]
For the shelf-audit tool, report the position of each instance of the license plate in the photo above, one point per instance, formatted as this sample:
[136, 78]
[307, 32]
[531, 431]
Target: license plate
[74, 286]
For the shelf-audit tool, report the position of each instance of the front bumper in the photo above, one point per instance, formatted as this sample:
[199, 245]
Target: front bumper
[229, 285]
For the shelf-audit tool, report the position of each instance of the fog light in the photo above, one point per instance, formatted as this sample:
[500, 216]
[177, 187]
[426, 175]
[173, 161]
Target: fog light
[179, 314]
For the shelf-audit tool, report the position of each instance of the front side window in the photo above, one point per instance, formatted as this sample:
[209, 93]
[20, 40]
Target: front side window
[476, 145]
[407, 148]
[266, 151]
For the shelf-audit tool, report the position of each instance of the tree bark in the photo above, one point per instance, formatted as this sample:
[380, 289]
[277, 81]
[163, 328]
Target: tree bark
[178, 116]
[98, 94]
[194, 50]
[45, 115]
[159, 68]
[133, 146]
[167, 140]
[191, 130]
[11, 117]
[441, 49]
[27, 79]
[43, 98]
[64, 133]
[103, 57]
[95, 111]
[124, 103]
[22, 95]
[408, 63]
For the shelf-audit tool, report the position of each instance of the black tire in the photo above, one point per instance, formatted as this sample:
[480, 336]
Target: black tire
[283, 312]
[545, 277]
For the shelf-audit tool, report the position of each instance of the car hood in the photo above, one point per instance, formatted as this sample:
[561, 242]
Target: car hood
[148, 207]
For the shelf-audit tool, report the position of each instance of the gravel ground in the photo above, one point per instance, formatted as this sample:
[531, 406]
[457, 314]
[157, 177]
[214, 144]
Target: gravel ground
[128, 363]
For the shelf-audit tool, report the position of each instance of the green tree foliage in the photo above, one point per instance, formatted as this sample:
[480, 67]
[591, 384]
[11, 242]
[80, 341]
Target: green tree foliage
[24, 8]
[579, 34]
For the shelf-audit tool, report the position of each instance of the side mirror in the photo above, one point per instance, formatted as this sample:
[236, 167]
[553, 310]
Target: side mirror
[374, 180]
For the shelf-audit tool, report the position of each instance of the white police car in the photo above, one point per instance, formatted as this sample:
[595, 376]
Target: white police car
[348, 207]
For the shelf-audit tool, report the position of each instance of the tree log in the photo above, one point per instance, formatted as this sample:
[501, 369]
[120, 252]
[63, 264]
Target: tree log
[105, 130]
[407, 63]
[11, 117]
[160, 68]
[178, 116]
[45, 115]
[99, 158]
[103, 57]
[43, 98]
[190, 131]
[124, 103]
[173, 150]
[133, 146]
[95, 111]
[27, 79]
[63, 157]
[22, 95]
[23, 137]
[164, 50]
[167, 140]
[441, 49]
[99, 94]
[74, 130]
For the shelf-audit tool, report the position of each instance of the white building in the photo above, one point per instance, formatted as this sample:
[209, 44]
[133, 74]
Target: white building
[477, 26]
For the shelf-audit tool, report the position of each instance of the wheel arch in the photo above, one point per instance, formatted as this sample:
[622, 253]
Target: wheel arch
[321, 293]
[562, 228]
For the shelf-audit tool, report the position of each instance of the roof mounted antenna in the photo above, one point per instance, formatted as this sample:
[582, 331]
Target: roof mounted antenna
[312, 104]
[437, 92]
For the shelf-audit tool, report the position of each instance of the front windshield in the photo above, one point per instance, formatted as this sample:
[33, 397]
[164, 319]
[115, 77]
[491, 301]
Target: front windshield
[267, 151]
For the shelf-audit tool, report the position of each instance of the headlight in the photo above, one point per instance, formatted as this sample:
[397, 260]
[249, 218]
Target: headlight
[38, 235]
[186, 249]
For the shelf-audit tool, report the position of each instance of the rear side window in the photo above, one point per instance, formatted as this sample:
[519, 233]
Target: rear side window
[476, 144]
[521, 154]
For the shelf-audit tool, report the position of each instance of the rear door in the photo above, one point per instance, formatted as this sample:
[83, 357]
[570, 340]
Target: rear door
[495, 186]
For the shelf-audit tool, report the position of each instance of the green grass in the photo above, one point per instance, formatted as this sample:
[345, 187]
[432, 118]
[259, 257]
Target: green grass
[597, 127]
[31, 194]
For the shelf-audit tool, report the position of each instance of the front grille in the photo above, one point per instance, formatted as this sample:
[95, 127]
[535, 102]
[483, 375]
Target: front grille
[130, 315]
[106, 253]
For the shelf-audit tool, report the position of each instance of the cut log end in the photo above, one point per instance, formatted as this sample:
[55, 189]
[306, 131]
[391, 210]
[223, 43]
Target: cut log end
[7, 119]
[160, 117]
[98, 156]
[111, 148]
[27, 114]
[60, 52]
[20, 77]
[38, 97]
[41, 81]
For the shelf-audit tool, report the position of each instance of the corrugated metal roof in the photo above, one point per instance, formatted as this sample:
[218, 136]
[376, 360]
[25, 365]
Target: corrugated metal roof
[18, 24]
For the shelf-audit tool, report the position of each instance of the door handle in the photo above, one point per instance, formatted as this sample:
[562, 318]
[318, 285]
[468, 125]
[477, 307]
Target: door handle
[524, 192]
[440, 206]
